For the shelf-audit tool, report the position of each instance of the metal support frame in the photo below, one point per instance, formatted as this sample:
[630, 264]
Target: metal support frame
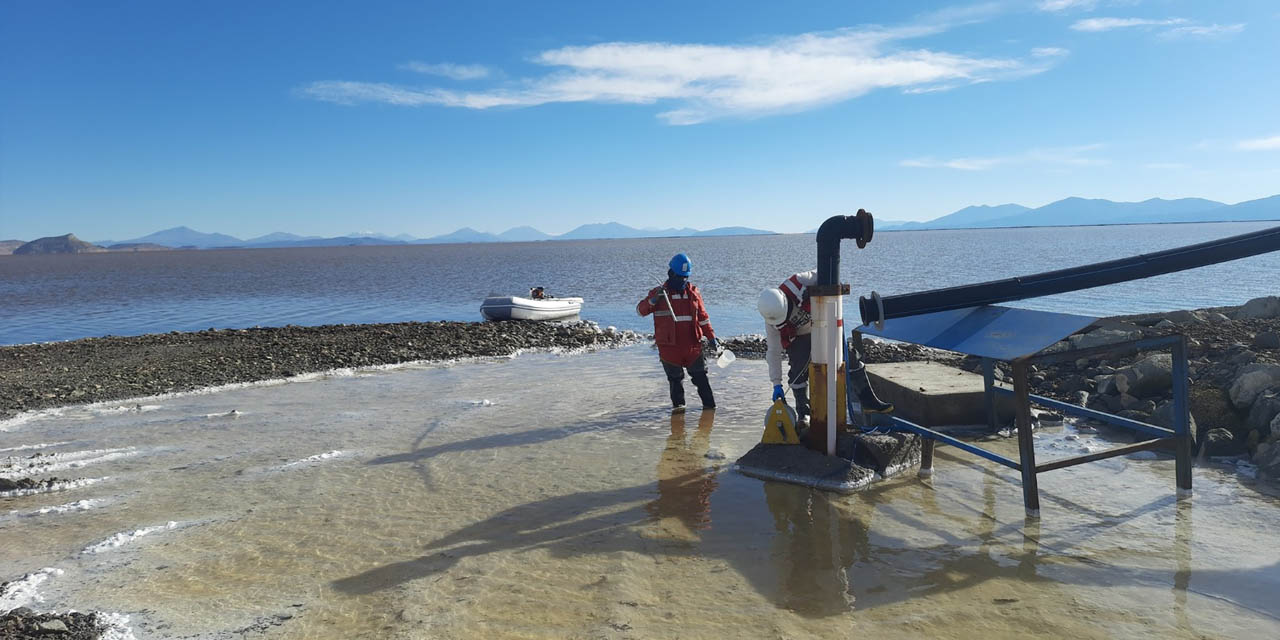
[1023, 399]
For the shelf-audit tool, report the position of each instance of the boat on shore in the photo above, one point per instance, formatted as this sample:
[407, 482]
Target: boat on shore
[528, 308]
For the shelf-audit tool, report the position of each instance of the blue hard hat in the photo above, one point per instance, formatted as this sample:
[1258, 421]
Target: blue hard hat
[680, 265]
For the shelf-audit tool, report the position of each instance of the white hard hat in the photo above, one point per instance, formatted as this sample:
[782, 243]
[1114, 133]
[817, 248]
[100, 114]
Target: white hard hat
[773, 306]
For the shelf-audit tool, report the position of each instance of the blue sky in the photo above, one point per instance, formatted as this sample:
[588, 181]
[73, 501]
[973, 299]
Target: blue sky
[122, 118]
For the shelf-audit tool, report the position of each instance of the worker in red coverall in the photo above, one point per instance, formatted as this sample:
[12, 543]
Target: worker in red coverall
[680, 324]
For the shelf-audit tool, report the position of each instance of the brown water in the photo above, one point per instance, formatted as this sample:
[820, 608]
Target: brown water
[466, 501]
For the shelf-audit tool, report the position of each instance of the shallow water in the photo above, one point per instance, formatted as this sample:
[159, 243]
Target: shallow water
[552, 496]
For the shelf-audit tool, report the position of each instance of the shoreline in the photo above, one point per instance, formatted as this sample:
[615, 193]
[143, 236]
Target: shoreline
[48, 375]
[1225, 345]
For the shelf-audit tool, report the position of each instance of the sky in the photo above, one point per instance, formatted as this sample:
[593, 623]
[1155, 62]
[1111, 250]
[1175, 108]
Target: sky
[118, 119]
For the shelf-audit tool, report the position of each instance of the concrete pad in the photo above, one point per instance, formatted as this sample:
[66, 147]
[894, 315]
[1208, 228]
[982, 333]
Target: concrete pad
[934, 395]
[860, 460]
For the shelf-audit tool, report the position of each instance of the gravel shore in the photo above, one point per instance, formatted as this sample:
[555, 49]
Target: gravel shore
[40, 376]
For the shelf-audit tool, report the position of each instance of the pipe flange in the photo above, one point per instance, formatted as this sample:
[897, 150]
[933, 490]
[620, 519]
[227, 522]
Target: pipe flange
[867, 225]
[875, 297]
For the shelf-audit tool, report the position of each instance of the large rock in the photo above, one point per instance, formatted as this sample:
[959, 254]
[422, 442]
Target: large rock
[1252, 381]
[1146, 377]
[1099, 337]
[1265, 409]
[1163, 417]
[1266, 340]
[1265, 307]
[1268, 460]
[1183, 316]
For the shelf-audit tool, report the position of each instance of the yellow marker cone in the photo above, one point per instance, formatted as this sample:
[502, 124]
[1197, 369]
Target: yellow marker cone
[780, 424]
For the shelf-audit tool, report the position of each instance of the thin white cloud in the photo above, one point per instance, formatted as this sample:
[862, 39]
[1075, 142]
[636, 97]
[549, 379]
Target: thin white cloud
[448, 70]
[1203, 31]
[1058, 156]
[1108, 24]
[1049, 52]
[707, 81]
[1065, 5]
[1260, 144]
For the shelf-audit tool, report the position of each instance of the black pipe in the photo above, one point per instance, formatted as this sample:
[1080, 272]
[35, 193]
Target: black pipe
[858, 227]
[1073, 279]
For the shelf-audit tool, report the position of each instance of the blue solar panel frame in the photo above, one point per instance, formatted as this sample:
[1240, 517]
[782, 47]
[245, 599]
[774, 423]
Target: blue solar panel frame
[989, 331]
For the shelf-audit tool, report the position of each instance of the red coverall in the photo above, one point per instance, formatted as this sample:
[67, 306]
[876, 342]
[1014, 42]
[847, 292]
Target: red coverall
[679, 338]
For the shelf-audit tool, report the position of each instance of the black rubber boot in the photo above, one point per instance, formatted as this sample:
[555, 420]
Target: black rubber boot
[866, 395]
[675, 380]
[801, 396]
[704, 390]
[698, 375]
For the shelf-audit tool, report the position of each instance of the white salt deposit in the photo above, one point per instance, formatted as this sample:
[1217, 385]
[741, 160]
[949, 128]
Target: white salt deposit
[57, 486]
[14, 467]
[316, 458]
[70, 507]
[25, 590]
[115, 626]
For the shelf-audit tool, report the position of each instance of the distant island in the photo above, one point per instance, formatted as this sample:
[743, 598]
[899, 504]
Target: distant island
[57, 244]
[1067, 212]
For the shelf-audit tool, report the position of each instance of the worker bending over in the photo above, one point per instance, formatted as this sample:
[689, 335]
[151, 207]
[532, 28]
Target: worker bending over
[788, 326]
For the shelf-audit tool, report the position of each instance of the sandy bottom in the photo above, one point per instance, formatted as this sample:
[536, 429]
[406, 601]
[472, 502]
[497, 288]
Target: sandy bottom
[554, 497]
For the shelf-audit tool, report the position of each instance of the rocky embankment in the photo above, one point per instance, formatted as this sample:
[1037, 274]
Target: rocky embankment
[1233, 369]
[25, 623]
[54, 374]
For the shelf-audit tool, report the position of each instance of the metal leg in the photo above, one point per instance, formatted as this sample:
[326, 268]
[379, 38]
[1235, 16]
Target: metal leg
[1026, 446]
[989, 393]
[1181, 420]
[926, 457]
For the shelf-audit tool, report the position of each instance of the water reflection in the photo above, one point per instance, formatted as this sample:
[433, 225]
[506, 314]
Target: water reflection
[685, 481]
[813, 549]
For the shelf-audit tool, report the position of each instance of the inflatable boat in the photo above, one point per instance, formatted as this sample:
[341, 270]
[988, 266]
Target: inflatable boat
[518, 308]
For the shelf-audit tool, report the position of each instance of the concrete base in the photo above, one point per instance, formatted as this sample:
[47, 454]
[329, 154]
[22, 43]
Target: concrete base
[860, 460]
[935, 395]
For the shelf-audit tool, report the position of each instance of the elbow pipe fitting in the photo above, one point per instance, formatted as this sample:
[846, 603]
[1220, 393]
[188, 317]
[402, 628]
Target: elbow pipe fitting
[857, 227]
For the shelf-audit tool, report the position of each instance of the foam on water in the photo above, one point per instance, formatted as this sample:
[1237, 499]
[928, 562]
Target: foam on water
[126, 537]
[42, 445]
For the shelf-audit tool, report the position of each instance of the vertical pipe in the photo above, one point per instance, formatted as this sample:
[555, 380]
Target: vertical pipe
[835, 335]
[1026, 446]
[1181, 421]
[989, 392]
[819, 362]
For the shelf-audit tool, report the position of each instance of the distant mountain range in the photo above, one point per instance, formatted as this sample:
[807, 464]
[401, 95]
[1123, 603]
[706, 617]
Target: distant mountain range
[187, 237]
[1082, 211]
[1067, 212]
